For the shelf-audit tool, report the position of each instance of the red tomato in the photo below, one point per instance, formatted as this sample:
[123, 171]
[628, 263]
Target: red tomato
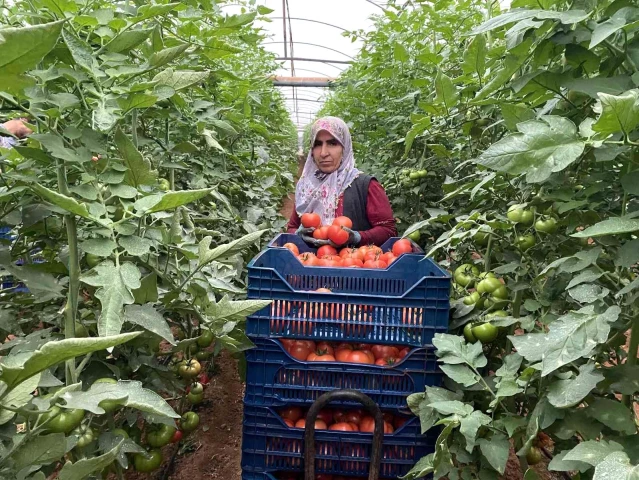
[399, 422]
[375, 264]
[326, 415]
[319, 424]
[319, 356]
[331, 263]
[325, 347]
[289, 423]
[388, 417]
[300, 352]
[326, 250]
[403, 352]
[291, 413]
[337, 235]
[321, 233]
[338, 416]
[368, 425]
[371, 255]
[308, 259]
[351, 252]
[309, 343]
[354, 426]
[343, 222]
[402, 246]
[384, 351]
[360, 356]
[287, 342]
[324, 290]
[293, 248]
[342, 427]
[387, 361]
[325, 476]
[353, 416]
[352, 262]
[387, 257]
[343, 354]
[311, 220]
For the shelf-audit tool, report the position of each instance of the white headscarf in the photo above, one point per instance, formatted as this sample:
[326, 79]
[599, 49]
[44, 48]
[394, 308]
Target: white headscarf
[319, 192]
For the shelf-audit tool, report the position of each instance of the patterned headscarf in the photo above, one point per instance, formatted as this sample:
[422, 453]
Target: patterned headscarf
[319, 192]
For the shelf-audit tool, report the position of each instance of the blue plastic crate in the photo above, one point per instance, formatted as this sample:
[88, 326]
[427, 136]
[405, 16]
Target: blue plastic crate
[250, 475]
[8, 282]
[274, 378]
[404, 304]
[269, 445]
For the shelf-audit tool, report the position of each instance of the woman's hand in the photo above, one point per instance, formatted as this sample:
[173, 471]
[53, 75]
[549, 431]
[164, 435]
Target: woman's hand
[354, 237]
[17, 127]
[307, 236]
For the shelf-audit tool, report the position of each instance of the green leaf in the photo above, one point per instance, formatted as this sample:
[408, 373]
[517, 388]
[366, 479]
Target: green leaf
[136, 100]
[610, 226]
[151, 11]
[423, 467]
[85, 467]
[618, 113]
[592, 452]
[587, 276]
[102, 247]
[150, 319]
[116, 284]
[171, 200]
[616, 466]
[67, 203]
[129, 392]
[180, 79]
[613, 414]
[496, 451]
[470, 425]
[619, 20]
[206, 255]
[138, 168]
[234, 21]
[39, 450]
[148, 291]
[446, 93]
[128, 39]
[592, 86]
[623, 378]
[54, 144]
[541, 148]
[123, 191]
[399, 52]
[161, 58]
[558, 464]
[453, 350]
[80, 51]
[136, 246]
[514, 114]
[475, 57]
[17, 368]
[519, 14]
[227, 310]
[22, 48]
[451, 407]
[43, 286]
[568, 393]
[18, 397]
[460, 374]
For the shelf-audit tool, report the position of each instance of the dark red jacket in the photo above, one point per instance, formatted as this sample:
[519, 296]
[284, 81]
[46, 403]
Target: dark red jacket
[378, 212]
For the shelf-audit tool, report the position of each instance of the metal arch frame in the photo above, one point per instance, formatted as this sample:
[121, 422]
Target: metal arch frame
[312, 21]
[313, 45]
[312, 71]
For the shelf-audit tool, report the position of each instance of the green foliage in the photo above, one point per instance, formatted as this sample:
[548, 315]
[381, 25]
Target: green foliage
[159, 158]
[530, 110]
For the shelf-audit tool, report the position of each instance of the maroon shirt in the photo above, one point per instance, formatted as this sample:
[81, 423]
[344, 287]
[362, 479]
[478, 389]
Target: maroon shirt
[378, 212]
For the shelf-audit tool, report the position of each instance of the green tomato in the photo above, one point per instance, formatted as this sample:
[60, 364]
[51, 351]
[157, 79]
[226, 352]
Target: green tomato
[415, 236]
[190, 421]
[80, 330]
[533, 457]
[488, 285]
[195, 398]
[472, 299]
[496, 313]
[120, 432]
[481, 238]
[205, 339]
[468, 333]
[203, 355]
[465, 274]
[196, 388]
[147, 462]
[92, 260]
[546, 226]
[414, 175]
[483, 275]
[519, 215]
[485, 332]
[525, 242]
[189, 369]
[63, 421]
[86, 435]
[422, 173]
[164, 184]
[160, 436]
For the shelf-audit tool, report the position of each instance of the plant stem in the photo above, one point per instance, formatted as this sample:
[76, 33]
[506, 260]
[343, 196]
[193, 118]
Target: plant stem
[632, 354]
[134, 127]
[71, 308]
[488, 253]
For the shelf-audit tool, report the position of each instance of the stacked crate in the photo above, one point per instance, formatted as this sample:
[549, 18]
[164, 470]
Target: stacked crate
[405, 304]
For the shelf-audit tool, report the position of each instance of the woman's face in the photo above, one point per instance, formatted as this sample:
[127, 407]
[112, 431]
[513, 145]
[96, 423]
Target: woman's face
[327, 152]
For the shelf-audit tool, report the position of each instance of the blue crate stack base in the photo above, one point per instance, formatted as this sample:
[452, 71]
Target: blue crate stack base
[404, 305]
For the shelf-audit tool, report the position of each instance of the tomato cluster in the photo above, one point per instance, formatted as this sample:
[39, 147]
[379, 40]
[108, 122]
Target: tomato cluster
[310, 351]
[369, 256]
[319, 476]
[343, 420]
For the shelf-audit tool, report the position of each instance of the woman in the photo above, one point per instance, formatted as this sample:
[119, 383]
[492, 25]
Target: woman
[331, 186]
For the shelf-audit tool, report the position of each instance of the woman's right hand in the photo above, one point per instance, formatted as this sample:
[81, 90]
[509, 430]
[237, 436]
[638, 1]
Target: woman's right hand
[307, 236]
